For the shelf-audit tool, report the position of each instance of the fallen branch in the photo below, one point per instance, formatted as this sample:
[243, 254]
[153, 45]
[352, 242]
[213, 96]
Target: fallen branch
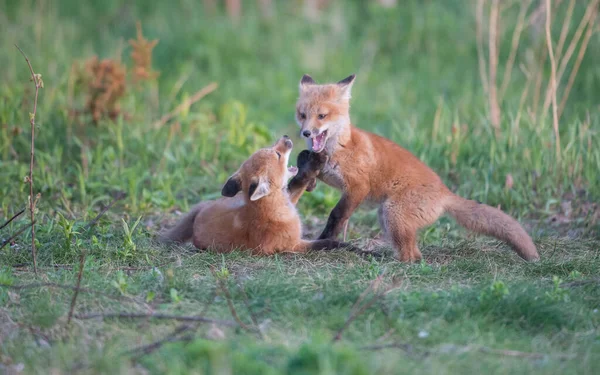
[72, 308]
[182, 318]
[37, 79]
[12, 218]
[186, 104]
[23, 229]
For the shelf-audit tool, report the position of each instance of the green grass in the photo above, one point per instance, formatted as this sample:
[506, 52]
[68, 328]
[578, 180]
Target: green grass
[417, 83]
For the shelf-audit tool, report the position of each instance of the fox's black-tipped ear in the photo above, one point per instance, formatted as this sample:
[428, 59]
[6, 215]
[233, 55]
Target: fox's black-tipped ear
[345, 86]
[348, 80]
[307, 80]
[232, 186]
[258, 189]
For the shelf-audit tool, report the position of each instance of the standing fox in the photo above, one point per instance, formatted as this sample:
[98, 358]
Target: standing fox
[263, 217]
[364, 165]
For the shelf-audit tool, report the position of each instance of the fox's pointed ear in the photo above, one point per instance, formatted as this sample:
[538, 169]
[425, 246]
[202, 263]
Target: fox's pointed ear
[232, 186]
[306, 80]
[259, 189]
[345, 86]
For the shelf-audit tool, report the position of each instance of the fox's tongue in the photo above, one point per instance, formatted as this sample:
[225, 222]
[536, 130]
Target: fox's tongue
[319, 142]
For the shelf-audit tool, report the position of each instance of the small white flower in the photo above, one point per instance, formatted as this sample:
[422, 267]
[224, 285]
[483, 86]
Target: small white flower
[423, 334]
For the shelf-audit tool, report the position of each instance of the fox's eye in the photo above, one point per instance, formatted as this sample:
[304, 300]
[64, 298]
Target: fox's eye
[303, 116]
[278, 155]
[322, 116]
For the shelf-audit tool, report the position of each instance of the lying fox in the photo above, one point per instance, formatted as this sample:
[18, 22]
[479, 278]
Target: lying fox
[364, 165]
[263, 217]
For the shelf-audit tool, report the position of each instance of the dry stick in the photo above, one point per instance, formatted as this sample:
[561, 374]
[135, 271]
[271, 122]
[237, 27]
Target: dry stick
[37, 79]
[582, 49]
[72, 308]
[70, 287]
[514, 47]
[346, 229]
[493, 66]
[12, 218]
[229, 301]
[588, 15]
[23, 229]
[479, 36]
[552, 80]
[186, 104]
[182, 318]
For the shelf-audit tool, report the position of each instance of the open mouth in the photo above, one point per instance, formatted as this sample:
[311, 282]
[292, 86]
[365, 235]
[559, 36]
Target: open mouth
[318, 142]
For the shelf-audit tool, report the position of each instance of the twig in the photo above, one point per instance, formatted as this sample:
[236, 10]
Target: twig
[582, 49]
[493, 55]
[357, 309]
[346, 229]
[72, 308]
[565, 30]
[147, 349]
[552, 79]
[182, 318]
[186, 104]
[12, 218]
[70, 287]
[119, 196]
[529, 355]
[37, 79]
[227, 295]
[23, 229]
[571, 284]
[252, 315]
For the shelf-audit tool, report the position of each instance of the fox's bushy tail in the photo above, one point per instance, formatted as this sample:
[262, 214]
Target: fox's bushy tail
[490, 221]
[183, 230]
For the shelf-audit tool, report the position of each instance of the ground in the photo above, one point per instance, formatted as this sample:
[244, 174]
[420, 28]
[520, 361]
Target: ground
[121, 152]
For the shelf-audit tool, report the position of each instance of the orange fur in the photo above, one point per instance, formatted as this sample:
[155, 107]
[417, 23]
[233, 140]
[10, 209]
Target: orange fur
[366, 166]
[255, 214]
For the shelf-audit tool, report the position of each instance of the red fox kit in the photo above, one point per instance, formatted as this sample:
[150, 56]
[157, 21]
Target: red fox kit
[262, 217]
[364, 165]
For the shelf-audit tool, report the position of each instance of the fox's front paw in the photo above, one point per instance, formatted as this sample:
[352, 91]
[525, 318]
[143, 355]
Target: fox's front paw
[311, 163]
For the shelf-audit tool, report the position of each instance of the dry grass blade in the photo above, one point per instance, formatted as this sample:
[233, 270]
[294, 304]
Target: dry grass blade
[37, 79]
[479, 35]
[584, 44]
[493, 67]
[183, 318]
[514, 47]
[186, 104]
[12, 218]
[552, 79]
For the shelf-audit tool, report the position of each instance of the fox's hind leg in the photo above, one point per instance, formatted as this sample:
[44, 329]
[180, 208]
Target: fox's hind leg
[400, 232]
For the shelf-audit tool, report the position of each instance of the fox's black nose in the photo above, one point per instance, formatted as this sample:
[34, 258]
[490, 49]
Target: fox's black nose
[306, 133]
[286, 137]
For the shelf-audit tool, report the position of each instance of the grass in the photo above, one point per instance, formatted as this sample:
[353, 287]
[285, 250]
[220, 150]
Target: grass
[467, 308]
